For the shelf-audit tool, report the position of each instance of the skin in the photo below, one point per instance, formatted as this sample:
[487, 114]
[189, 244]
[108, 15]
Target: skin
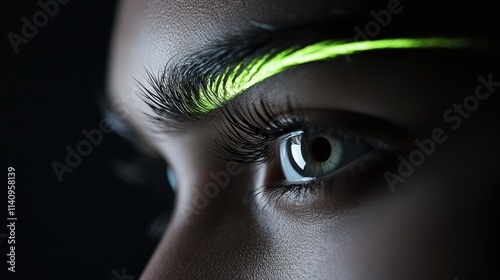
[434, 226]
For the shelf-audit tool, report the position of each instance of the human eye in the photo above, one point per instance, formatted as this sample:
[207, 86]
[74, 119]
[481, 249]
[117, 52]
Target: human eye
[317, 152]
[310, 155]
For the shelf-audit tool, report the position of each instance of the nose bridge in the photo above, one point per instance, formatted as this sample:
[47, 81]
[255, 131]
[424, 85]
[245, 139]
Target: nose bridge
[217, 193]
[207, 245]
[212, 233]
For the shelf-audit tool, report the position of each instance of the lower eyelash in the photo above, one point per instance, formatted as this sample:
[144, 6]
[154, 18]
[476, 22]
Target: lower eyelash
[345, 187]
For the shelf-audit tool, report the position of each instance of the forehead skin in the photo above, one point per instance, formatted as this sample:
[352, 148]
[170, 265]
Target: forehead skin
[229, 240]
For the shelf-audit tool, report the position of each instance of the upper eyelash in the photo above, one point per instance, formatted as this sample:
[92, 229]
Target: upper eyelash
[247, 137]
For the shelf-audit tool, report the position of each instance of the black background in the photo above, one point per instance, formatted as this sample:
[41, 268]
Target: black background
[92, 222]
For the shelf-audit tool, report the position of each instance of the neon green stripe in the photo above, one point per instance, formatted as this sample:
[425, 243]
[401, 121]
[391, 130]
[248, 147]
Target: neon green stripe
[262, 68]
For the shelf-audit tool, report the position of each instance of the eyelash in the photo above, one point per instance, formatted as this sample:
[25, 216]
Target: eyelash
[250, 137]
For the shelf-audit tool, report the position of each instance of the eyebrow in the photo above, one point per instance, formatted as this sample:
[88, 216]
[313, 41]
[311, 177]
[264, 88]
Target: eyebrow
[243, 76]
[188, 90]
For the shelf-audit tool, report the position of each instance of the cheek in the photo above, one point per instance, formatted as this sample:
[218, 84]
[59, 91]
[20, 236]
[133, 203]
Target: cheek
[398, 238]
[401, 237]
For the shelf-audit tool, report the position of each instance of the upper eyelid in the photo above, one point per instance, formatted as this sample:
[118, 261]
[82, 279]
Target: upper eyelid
[376, 132]
[245, 75]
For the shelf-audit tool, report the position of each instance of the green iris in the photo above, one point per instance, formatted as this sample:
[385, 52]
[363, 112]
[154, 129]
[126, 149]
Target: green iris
[304, 157]
[322, 154]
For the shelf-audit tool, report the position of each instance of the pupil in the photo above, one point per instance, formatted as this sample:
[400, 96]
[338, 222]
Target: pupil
[321, 149]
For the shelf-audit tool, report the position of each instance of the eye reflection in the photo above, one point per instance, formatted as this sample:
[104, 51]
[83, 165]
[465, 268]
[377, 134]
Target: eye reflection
[307, 155]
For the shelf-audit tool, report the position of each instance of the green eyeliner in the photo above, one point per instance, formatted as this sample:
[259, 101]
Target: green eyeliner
[237, 79]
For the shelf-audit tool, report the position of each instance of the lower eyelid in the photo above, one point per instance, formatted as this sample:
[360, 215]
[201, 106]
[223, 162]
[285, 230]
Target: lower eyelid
[341, 189]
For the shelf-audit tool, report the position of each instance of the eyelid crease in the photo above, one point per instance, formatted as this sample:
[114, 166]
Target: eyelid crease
[248, 137]
[244, 75]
